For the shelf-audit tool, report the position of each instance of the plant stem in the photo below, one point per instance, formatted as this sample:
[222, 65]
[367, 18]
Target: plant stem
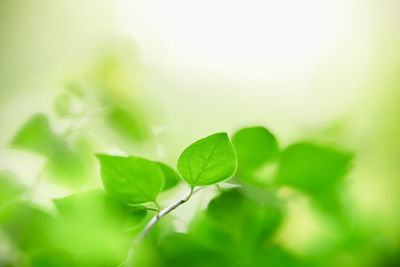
[156, 218]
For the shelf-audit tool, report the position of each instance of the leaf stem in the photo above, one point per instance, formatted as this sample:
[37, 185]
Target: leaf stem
[157, 205]
[157, 217]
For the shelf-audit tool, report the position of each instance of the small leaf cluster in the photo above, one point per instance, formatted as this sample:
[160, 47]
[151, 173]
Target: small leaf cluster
[250, 178]
[137, 180]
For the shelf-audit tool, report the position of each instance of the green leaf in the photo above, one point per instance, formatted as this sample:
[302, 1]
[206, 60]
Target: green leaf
[208, 161]
[312, 168]
[36, 136]
[66, 165]
[10, 188]
[93, 227]
[171, 176]
[254, 146]
[27, 225]
[131, 179]
[248, 222]
[128, 123]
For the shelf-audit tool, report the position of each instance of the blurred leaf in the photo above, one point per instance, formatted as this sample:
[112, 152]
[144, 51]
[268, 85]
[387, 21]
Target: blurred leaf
[247, 221]
[27, 225]
[171, 176]
[67, 167]
[127, 123]
[180, 250]
[36, 136]
[254, 146]
[131, 179]
[62, 105]
[273, 256]
[312, 168]
[208, 161]
[10, 188]
[92, 227]
[51, 258]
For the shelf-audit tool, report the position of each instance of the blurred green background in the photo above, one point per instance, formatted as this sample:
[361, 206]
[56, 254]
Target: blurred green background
[147, 78]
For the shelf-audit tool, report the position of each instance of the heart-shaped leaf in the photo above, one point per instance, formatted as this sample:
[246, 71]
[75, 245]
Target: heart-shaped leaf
[131, 179]
[208, 161]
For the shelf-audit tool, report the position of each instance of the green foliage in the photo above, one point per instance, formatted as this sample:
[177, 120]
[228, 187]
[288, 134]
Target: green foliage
[239, 227]
[27, 225]
[132, 179]
[258, 151]
[100, 223]
[233, 221]
[37, 136]
[171, 176]
[63, 162]
[208, 161]
[313, 168]
[254, 146]
[125, 123]
[10, 188]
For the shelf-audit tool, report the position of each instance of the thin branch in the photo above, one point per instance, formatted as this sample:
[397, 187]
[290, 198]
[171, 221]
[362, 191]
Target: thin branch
[157, 217]
[167, 210]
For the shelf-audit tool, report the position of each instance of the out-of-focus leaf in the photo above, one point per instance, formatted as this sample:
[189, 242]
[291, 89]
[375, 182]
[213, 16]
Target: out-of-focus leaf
[131, 179]
[93, 227]
[65, 164]
[127, 123]
[248, 222]
[312, 168]
[27, 225]
[51, 258]
[171, 176]
[273, 256]
[10, 188]
[37, 136]
[208, 161]
[62, 105]
[254, 146]
[180, 250]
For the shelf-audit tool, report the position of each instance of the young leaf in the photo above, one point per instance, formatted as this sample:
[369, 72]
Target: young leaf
[131, 179]
[254, 146]
[208, 161]
[311, 167]
[171, 177]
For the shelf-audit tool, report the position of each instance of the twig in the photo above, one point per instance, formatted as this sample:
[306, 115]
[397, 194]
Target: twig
[156, 218]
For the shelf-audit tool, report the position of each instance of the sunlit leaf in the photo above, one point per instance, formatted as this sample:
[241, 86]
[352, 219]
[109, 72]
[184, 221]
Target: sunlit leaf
[131, 179]
[208, 161]
[313, 168]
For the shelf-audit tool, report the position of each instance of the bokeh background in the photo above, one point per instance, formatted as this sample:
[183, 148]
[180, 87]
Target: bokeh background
[326, 71]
